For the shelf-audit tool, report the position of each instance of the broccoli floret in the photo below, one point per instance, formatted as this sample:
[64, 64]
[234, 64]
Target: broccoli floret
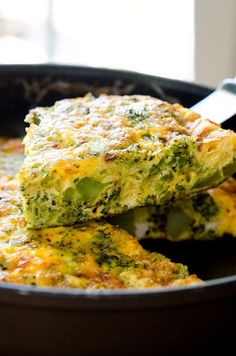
[205, 205]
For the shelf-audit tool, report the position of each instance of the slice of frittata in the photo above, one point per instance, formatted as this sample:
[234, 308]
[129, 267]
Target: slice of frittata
[208, 215]
[94, 256]
[90, 157]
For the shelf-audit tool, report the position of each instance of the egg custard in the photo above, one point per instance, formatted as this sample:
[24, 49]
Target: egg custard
[88, 158]
[95, 256]
[208, 215]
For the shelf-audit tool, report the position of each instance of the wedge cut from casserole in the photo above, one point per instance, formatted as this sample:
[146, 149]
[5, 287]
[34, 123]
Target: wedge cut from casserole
[208, 215]
[95, 256]
[89, 157]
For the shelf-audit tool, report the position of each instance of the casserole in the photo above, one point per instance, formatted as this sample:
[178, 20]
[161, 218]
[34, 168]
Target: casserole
[37, 321]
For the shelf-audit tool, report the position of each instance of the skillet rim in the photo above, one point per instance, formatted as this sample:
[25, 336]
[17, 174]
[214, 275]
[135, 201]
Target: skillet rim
[67, 69]
[13, 294]
[114, 299]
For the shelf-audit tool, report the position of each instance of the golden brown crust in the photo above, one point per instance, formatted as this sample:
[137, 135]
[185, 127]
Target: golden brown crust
[117, 127]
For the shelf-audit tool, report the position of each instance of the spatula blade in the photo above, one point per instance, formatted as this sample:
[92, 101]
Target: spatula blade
[220, 105]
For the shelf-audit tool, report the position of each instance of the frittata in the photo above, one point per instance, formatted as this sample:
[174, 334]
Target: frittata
[208, 215]
[93, 256]
[89, 158]
[11, 156]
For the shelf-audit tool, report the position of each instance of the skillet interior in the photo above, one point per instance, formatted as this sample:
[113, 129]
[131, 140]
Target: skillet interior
[74, 322]
[24, 87]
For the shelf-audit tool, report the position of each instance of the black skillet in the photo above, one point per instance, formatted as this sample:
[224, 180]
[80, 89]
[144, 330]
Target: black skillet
[38, 321]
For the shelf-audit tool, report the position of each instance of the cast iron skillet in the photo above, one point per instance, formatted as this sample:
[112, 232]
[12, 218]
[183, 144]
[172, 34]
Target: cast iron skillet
[38, 321]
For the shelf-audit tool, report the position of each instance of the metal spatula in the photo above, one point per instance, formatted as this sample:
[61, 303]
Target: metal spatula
[221, 104]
